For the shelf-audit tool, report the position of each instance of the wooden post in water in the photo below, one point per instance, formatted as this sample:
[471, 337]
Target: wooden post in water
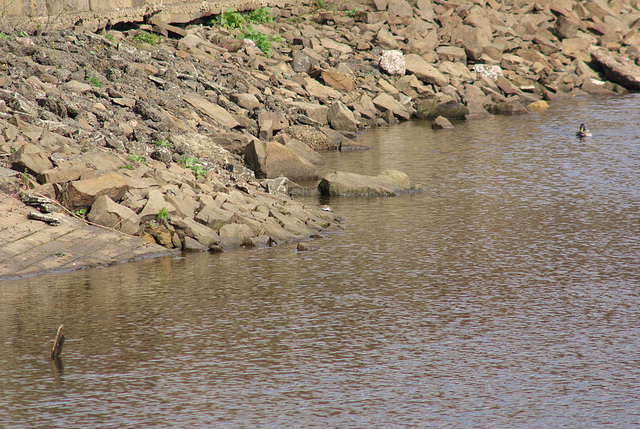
[58, 343]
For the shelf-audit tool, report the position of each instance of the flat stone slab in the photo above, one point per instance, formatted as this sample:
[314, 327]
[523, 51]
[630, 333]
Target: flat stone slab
[31, 247]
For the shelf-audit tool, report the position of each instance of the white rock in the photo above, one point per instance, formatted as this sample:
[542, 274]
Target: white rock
[491, 72]
[392, 62]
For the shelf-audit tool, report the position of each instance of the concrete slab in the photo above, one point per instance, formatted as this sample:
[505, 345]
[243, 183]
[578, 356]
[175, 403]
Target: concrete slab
[30, 247]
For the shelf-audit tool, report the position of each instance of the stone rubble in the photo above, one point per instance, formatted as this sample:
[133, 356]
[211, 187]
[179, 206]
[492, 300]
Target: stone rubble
[180, 142]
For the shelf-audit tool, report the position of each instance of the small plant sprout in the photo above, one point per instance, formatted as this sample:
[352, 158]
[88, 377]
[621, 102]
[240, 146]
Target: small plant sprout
[137, 158]
[187, 161]
[81, 213]
[162, 214]
[162, 143]
[199, 171]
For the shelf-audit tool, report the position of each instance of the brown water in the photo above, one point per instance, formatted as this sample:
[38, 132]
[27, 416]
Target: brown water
[505, 295]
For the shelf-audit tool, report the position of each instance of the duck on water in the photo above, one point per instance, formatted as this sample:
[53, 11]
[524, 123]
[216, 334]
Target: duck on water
[583, 132]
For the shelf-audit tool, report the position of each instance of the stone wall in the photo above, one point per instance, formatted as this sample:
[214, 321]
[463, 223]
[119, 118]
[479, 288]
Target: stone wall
[91, 15]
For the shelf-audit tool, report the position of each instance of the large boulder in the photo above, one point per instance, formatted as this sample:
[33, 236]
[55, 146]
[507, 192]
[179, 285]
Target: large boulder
[417, 65]
[431, 108]
[272, 159]
[31, 158]
[82, 193]
[619, 69]
[106, 212]
[389, 183]
[301, 149]
[385, 102]
[316, 112]
[213, 111]
[341, 118]
[213, 216]
[235, 235]
[190, 228]
[392, 62]
[155, 204]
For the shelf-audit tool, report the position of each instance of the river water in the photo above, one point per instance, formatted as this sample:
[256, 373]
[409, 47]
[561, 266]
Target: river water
[504, 295]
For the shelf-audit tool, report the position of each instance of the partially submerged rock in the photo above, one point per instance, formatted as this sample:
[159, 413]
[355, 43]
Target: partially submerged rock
[619, 69]
[388, 183]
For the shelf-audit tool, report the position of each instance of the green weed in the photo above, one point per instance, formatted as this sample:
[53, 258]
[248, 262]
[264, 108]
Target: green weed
[162, 143]
[4, 36]
[261, 15]
[198, 170]
[351, 12]
[187, 161]
[262, 42]
[137, 158]
[81, 213]
[162, 214]
[229, 19]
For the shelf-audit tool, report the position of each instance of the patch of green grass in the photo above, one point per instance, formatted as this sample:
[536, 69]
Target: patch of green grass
[109, 37]
[351, 12]
[94, 81]
[145, 37]
[126, 167]
[261, 15]
[319, 4]
[4, 36]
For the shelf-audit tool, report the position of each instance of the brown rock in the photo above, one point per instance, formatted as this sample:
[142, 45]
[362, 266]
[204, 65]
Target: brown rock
[272, 159]
[336, 80]
[424, 71]
[32, 158]
[315, 112]
[565, 27]
[106, 212]
[235, 235]
[214, 216]
[204, 235]
[246, 101]
[59, 175]
[385, 102]
[82, 193]
[341, 118]
[441, 123]
[302, 150]
[215, 112]
[388, 183]
[154, 205]
[619, 69]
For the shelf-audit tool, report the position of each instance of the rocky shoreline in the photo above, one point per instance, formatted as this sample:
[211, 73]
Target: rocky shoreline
[193, 137]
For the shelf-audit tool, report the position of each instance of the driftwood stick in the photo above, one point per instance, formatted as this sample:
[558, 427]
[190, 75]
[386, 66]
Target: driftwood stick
[58, 343]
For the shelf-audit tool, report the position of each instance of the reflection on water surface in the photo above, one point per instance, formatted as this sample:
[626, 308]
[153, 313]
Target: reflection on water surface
[504, 295]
